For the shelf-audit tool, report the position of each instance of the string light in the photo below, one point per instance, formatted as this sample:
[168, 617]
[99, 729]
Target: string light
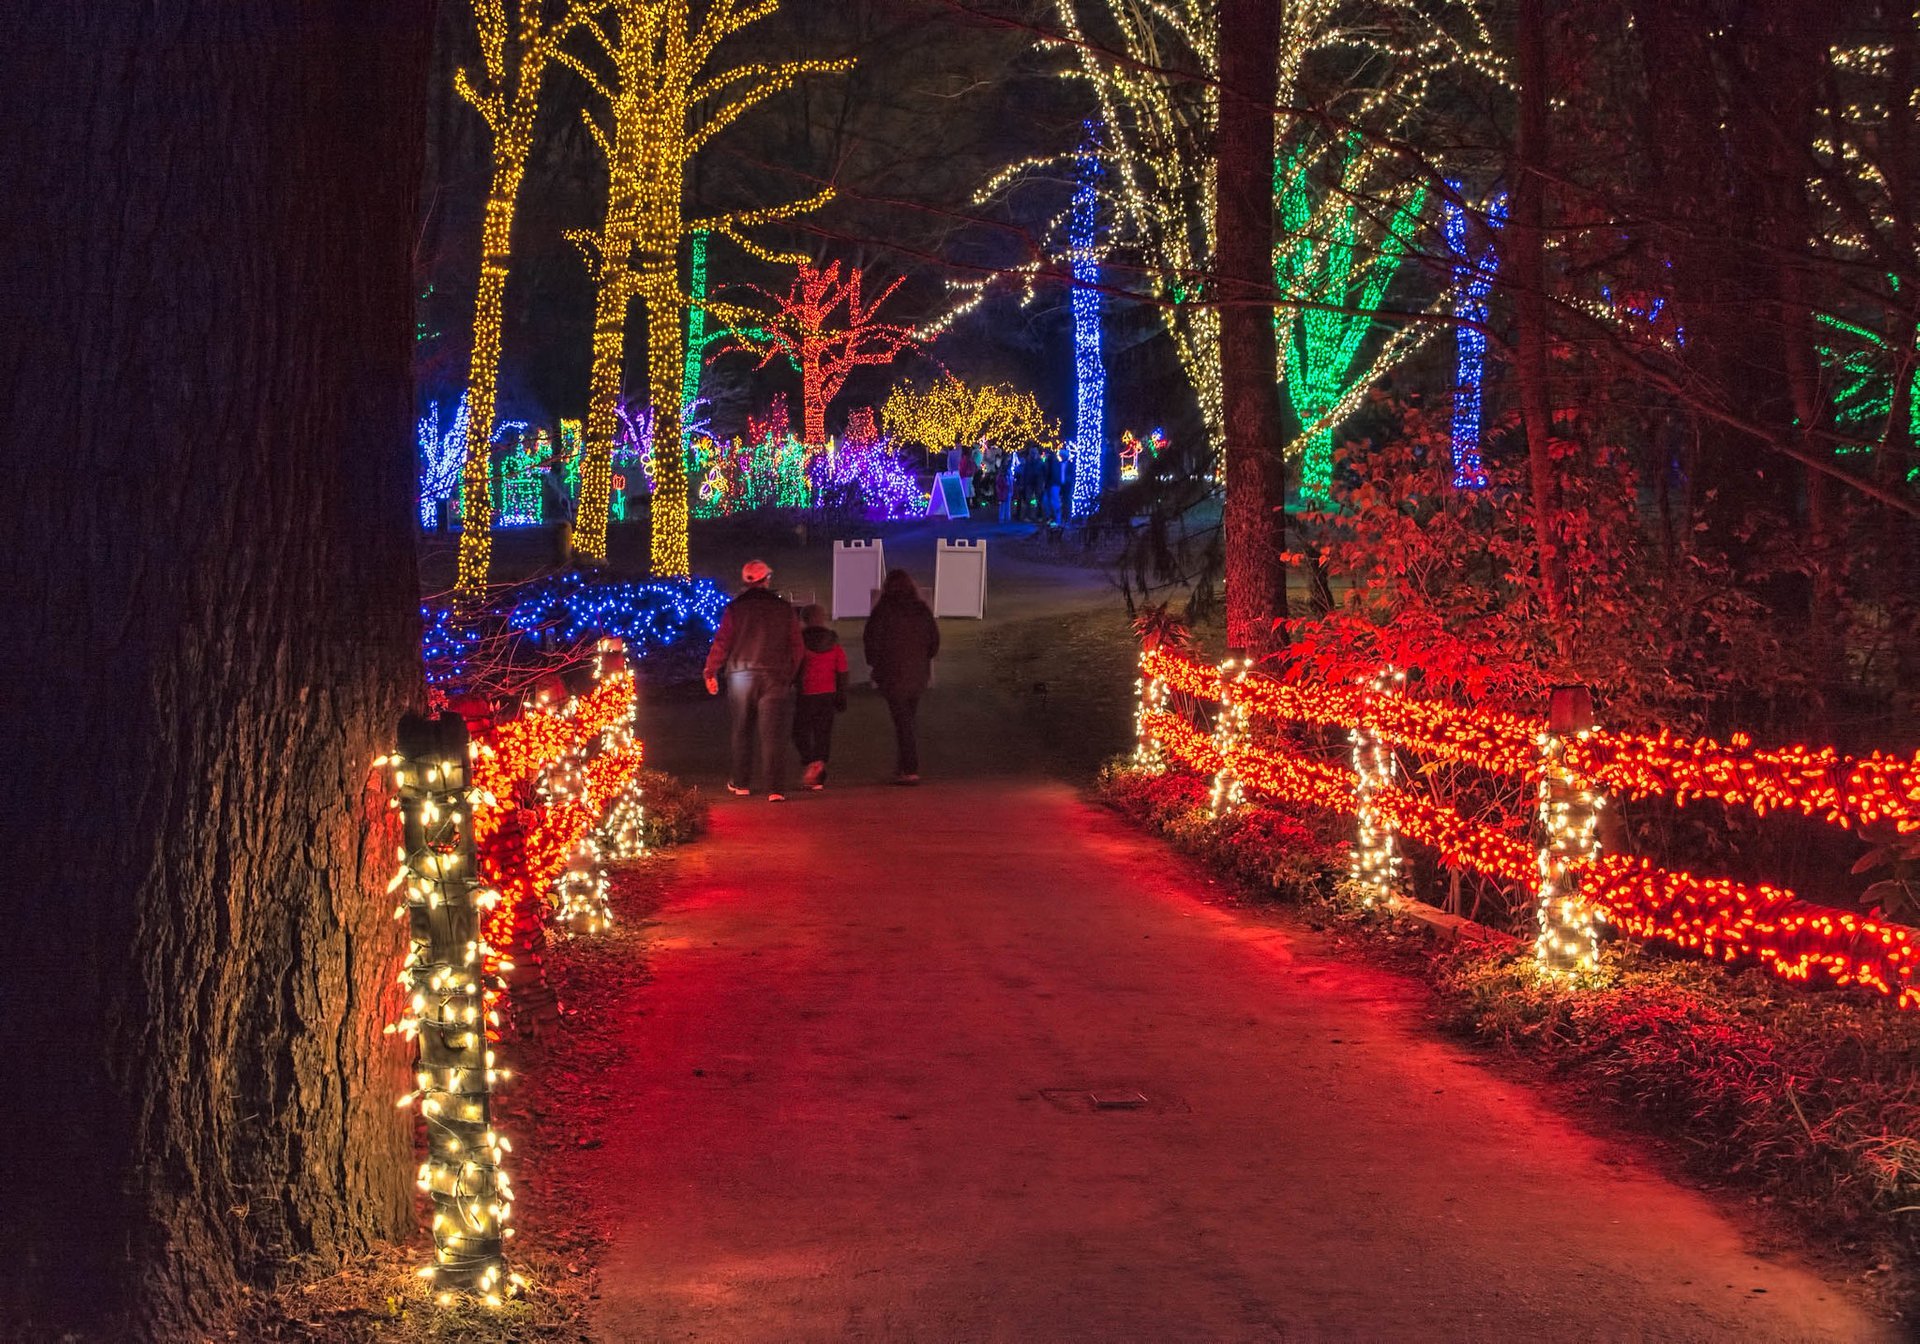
[451, 985]
[1473, 273]
[1090, 370]
[951, 414]
[443, 455]
[656, 100]
[516, 54]
[1324, 258]
[1375, 864]
[1230, 737]
[826, 329]
[1578, 887]
[863, 466]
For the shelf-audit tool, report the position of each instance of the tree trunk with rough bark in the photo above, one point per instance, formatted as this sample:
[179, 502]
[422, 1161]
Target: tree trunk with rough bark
[1526, 235]
[1255, 518]
[207, 338]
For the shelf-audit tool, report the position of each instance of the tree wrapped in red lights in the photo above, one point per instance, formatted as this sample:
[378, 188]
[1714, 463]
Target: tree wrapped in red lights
[826, 328]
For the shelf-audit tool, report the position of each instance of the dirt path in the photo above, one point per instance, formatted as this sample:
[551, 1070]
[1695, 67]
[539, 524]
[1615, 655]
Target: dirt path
[859, 1103]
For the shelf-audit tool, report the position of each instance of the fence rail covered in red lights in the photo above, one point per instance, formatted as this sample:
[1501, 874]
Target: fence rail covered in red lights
[1573, 772]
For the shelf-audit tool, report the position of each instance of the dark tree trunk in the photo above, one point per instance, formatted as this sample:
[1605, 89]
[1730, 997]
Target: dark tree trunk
[1526, 236]
[1255, 518]
[205, 342]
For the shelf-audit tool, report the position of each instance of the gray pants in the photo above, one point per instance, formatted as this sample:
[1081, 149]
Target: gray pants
[762, 706]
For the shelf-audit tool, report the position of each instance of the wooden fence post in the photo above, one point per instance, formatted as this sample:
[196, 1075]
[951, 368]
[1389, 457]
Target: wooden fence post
[449, 989]
[1568, 943]
[1230, 734]
[1375, 866]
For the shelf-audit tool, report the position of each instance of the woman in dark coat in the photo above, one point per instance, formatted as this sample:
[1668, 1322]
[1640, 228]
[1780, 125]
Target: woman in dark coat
[900, 641]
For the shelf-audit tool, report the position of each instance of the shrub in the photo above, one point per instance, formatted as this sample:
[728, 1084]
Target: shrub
[674, 812]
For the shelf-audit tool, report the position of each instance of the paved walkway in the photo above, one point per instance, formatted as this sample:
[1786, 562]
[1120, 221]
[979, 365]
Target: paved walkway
[862, 1084]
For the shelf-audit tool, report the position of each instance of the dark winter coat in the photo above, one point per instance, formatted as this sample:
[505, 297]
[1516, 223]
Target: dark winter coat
[758, 631]
[900, 641]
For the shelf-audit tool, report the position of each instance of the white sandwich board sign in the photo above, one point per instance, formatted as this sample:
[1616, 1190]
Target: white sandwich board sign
[858, 568]
[960, 579]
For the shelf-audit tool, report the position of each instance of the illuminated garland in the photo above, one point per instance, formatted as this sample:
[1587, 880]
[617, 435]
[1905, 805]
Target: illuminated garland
[450, 978]
[1576, 884]
[1089, 369]
[1473, 274]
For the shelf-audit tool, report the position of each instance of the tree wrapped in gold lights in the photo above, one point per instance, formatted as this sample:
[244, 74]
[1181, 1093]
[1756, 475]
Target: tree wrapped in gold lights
[518, 46]
[657, 111]
[803, 327]
[950, 414]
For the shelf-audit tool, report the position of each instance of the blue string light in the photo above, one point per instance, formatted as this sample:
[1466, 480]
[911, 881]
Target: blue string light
[1089, 368]
[1472, 281]
[566, 608]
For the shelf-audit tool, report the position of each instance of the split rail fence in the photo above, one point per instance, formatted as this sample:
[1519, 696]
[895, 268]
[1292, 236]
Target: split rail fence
[1233, 723]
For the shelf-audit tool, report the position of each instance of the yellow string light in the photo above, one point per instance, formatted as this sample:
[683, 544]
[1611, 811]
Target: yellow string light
[516, 51]
[645, 68]
[951, 414]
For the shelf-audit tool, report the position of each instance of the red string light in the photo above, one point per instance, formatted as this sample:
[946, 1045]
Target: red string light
[1712, 917]
[525, 838]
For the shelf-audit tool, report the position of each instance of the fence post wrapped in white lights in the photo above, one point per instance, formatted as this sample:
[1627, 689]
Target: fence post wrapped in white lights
[1569, 815]
[1375, 866]
[449, 986]
[1230, 734]
[1148, 754]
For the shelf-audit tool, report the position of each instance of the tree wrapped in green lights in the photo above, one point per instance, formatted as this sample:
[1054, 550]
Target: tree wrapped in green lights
[1336, 257]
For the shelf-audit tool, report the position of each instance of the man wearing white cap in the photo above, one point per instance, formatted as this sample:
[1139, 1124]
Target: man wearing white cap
[758, 649]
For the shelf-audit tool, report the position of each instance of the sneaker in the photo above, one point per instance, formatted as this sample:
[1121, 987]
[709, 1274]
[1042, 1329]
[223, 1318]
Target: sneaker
[816, 787]
[776, 797]
[815, 772]
[737, 791]
[906, 779]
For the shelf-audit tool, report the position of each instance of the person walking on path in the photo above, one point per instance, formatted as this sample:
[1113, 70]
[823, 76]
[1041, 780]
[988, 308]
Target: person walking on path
[900, 641]
[758, 647]
[1055, 476]
[823, 694]
[1003, 485]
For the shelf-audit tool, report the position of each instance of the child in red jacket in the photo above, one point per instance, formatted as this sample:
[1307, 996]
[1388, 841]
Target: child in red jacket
[823, 693]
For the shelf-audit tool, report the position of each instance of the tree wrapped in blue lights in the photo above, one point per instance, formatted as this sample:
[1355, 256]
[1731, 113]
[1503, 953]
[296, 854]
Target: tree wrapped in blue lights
[1089, 367]
[443, 452]
[1473, 272]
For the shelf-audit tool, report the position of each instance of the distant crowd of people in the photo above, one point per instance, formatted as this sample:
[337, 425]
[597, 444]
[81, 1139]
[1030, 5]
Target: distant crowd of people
[785, 674]
[1027, 485]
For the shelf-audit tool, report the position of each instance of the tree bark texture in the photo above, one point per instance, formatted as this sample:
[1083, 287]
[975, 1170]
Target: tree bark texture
[206, 339]
[1254, 519]
[1526, 235]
